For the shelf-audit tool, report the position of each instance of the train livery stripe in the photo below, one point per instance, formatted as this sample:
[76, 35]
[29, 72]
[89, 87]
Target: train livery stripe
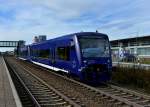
[50, 67]
[22, 58]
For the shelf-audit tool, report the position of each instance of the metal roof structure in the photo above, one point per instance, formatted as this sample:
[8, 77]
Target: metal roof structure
[134, 41]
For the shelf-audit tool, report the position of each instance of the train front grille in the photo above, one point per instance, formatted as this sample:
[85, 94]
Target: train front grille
[93, 72]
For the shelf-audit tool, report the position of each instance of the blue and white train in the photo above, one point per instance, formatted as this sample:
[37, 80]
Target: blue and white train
[86, 55]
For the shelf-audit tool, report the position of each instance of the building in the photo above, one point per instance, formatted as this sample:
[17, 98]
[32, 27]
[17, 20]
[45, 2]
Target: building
[39, 38]
[21, 43]
[35, 39]
[139, 46]
[42, 38]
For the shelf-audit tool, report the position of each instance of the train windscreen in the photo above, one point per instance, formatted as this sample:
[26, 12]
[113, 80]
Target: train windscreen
[94, 47]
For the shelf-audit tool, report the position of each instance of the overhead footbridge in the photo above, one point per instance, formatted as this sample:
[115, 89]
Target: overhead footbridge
[11, 43]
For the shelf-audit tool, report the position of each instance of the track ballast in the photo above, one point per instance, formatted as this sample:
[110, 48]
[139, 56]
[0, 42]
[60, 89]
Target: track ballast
[78, 93]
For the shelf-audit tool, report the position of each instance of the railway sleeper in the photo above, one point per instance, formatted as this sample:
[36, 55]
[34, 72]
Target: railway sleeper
[127, 96]
[41, 91]
[134, 99]
[56, 104]
[120, 94]
[50, 100]
[144, 102]
[47, 96]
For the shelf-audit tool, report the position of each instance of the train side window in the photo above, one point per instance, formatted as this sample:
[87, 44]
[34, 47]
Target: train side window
[44, 53]
[23, 53]
[63, 53]
[35, 52]
[32, 52]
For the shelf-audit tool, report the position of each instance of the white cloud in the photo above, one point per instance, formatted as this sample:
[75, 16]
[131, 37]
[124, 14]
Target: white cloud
[23, 19]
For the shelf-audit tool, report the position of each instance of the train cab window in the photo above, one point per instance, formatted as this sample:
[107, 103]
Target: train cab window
[63, 53]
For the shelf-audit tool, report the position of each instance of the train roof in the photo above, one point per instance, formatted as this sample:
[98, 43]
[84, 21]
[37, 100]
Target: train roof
[69, 36]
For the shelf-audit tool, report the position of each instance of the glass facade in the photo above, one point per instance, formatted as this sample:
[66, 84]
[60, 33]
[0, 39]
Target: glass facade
[143, 51]
[139, 51]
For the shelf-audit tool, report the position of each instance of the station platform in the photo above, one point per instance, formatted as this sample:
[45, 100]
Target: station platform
[8, 94]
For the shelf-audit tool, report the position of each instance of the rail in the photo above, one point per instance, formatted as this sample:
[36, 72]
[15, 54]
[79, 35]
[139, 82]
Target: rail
[40, 91]
[123, 100]
[36, 104]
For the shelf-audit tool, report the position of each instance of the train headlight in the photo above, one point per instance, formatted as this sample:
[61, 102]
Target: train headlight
[85, 61]
[81, 69]
[106, 51]
[98, 69]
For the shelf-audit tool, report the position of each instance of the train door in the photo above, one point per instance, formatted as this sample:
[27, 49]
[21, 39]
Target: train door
[62, 55]
[53, 60]
[73, 57]
[29, 53]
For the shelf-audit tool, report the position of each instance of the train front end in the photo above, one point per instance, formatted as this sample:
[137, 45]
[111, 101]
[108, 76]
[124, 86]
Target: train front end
[95, 57]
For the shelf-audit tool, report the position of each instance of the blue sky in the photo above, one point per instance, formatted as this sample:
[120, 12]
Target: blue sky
[24, 19]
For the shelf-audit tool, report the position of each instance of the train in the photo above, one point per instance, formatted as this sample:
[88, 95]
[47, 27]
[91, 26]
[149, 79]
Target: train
[86, 55]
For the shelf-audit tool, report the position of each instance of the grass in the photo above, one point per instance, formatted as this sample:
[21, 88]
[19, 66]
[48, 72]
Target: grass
[137, 78]
[145, 60]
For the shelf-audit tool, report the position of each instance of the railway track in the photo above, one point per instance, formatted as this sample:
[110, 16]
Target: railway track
[42, 95]
[21, 89]
[84, 95]
[139, 99]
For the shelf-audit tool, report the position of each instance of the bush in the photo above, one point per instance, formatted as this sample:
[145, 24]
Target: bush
[138, 78]
[145, 60]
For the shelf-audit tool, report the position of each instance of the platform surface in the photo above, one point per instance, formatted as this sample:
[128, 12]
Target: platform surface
[7, 97]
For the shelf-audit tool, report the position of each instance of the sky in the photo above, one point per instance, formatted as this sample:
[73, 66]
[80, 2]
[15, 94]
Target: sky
[24, 19]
